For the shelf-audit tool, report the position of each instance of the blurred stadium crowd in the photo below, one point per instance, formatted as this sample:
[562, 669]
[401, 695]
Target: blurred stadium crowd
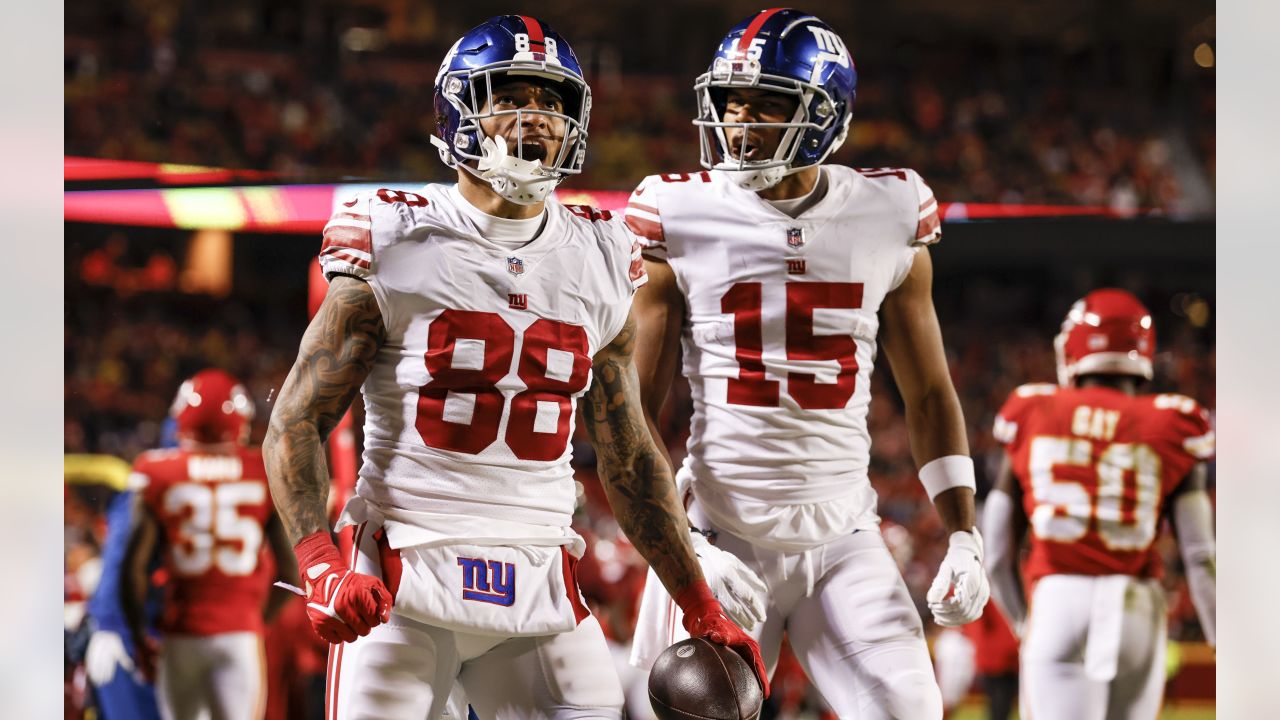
[344, 89]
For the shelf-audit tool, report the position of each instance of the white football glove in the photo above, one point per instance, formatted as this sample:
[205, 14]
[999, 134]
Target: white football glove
[104, 654]
[737, 588]
[961, 572]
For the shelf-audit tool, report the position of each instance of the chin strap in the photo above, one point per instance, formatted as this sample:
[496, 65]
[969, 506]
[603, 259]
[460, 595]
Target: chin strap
[757, 180]
[760, 179]
[524, 182]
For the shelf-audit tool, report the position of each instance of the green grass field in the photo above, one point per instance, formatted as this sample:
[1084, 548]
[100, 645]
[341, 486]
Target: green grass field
[1170, 712]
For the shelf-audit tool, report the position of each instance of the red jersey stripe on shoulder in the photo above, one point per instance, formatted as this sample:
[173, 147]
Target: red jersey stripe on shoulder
[927, 226]
[642, 207]
[343, 236]
[535, 29]
[647, 229]
[754, 28]
[347, 258]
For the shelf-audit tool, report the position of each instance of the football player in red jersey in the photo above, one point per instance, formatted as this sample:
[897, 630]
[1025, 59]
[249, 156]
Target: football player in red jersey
[1091, 467]
[206, 504]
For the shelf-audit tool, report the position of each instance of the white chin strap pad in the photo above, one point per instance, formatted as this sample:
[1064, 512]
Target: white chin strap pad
[757, 180]
[524, 182]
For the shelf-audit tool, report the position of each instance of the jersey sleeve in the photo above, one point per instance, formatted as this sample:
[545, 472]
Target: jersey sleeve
[928, 223]
[1013, 415]
[1190, 425]
[644, 219]
[347, 247]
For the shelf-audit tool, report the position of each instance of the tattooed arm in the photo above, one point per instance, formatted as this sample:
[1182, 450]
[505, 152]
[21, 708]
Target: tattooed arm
[638, 481]
[635, 473]
[336, 355]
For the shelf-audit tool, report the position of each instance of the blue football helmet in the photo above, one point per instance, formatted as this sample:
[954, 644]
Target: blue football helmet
[784, 51]
[487, 55]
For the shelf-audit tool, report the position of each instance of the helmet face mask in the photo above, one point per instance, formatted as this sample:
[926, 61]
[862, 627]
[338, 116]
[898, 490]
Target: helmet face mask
[786, 52]
[1107, 332]
[500, 51]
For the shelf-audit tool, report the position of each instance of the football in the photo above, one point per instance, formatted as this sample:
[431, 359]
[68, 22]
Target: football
[699, 680]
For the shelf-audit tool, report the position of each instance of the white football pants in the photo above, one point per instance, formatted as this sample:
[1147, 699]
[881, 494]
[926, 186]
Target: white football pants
[848, 615]
[213, 677]
[1094, 649]
[851, 624]
[407, 669]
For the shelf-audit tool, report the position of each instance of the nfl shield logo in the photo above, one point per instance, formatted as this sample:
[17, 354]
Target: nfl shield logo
[795, 237]
[515, 266]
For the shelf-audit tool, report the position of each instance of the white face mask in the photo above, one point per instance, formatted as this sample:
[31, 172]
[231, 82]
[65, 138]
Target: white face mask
[524, 182]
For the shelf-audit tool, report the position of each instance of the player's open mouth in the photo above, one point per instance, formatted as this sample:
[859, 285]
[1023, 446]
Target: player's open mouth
[748, 152]
[534, 148]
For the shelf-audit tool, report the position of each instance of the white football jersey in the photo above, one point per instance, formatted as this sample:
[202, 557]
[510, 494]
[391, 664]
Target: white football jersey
[779, 339]
[469, 406]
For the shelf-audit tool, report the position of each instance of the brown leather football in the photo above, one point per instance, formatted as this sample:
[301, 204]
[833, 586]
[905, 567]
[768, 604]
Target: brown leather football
[699, 680]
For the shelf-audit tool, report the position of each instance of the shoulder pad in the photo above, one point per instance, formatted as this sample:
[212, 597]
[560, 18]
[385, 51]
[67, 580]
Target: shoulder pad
[1179, 403]
[1016, 408]
[1034, 389]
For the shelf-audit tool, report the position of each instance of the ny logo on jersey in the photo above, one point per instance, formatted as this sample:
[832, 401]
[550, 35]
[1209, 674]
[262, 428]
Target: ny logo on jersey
[488, 581]
[796, 267]
[515, 266]
[518, 301]
[795, 237]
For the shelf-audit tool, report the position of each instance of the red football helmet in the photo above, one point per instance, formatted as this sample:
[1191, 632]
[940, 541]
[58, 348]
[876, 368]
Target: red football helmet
[1107, 332]
[212, 407]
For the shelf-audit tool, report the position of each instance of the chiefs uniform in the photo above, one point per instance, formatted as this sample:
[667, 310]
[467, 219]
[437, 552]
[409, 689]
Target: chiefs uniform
[1096, 466]
[779, 342]
[212, 509]
[469, 410]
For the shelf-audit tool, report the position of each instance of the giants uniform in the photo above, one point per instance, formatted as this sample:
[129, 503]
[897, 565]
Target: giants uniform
[1096, 466]
[213, 509]
[466, 493]
[779, 341]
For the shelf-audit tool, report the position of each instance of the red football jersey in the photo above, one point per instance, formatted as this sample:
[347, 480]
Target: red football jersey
[1096, 466]
[213, 510]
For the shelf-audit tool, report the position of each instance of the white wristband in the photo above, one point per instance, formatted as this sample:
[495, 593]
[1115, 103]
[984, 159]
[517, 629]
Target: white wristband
[944, 473]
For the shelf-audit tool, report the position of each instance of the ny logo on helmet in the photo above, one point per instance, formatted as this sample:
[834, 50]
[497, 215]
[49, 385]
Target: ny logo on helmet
[831, 49]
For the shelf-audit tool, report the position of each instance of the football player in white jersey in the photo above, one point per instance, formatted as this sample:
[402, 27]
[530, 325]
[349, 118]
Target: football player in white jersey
[473, 317]
[776, 275]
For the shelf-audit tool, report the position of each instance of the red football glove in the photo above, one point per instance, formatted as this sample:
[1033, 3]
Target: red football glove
[704, 618]
[341, 604]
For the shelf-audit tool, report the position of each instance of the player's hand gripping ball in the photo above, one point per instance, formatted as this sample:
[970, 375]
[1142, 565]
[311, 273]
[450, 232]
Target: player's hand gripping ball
[700, 680]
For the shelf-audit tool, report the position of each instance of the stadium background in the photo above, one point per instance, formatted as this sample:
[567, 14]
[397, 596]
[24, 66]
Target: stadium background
[1104, 111]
